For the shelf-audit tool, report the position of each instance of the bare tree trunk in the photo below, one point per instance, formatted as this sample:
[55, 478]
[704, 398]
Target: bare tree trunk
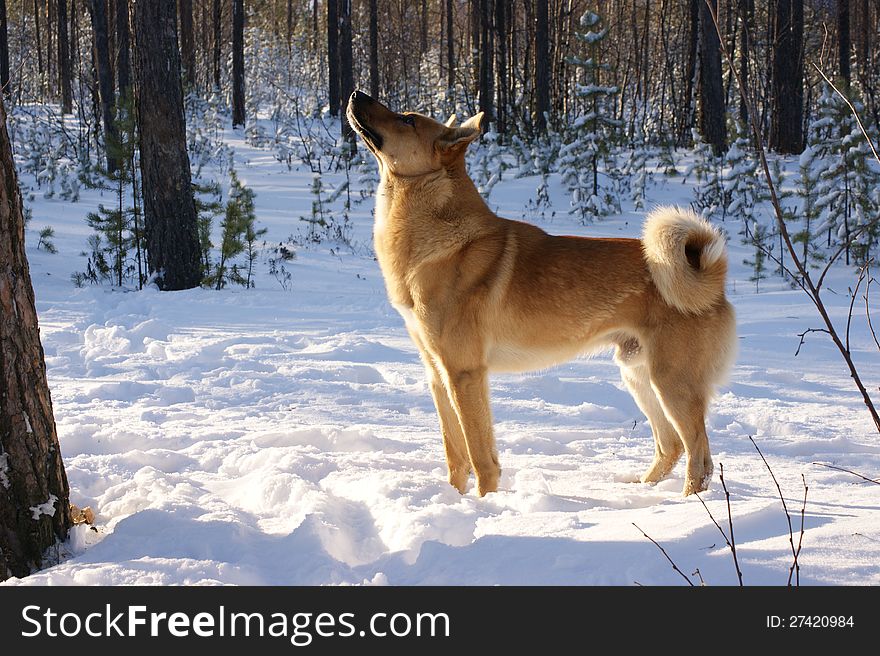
[486, 72]
[98, 10]
[169, 210]
[423, 31]
[333, 55]
[216, 15]
[747, 18]
[38, 37]
[64, 65]
[374, 49]
[34, 494]
[450, 49]
[542, 66]
[690, 72]
[187, 42]
[123, 47]
[843, 42]
[4, 50]
[501, 66]
[238, 109]
[786, 121]
[712, 121]
[346, 69]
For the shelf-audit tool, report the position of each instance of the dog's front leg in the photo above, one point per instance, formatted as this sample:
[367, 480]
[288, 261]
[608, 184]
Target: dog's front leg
[469, 391]
[457, 459]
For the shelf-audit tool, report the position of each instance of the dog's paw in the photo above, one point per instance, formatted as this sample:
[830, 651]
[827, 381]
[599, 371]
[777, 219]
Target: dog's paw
[487, 483]
[459, 479]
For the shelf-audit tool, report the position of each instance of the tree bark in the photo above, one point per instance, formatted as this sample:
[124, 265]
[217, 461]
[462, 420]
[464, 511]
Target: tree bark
[501, 66]
[747, 18]
[169, 209]
[450, 48]
[238, 63]
[542, 66]
[486, 72]
[34, 494]
[346, 69]
[98, 10]
[786, 121]
[374, 49]
[712, 114]
[123, 47]
[187, 42]
[65, 72]
[333, 55]
[4, 50]
[218, 39]
[843, 42]
[690, 73]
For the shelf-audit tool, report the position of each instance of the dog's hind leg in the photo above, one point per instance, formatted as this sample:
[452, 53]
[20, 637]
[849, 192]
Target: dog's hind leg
[667, 444]
[469, 392]
[684, 399]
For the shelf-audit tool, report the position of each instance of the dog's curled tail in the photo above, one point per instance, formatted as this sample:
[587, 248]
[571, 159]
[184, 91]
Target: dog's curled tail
[687, 258]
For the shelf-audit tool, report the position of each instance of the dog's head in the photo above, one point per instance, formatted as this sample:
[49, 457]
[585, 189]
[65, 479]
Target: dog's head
[409, 144]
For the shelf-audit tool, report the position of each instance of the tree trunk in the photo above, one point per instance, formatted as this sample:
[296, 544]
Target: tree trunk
[123, 47]
[486, 73]
[501, 66]
[333, 55]
[187, 42]
[64, 65]
[843, 41]
[4, 50]
[34, 495]
[542, 66]
[218, 39]
[98, 10]
[38, 37]
[374, 49]
[450, 49]
[169, 210]
[786, 121]
[238, 63]
[712, 120]
[747, 19]
[690, 73]
[346, 69]
[423, 31]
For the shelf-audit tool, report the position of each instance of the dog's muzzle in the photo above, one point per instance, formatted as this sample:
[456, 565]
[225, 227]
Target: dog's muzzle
[357, 107]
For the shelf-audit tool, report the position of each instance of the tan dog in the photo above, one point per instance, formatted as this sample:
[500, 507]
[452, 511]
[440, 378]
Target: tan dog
[480, 293]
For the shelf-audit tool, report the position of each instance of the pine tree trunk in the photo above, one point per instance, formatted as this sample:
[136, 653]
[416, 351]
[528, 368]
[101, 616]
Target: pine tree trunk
[486, 73]
[712, 114]
[123, 47]
[98, 9]
[690, 73]
[333, 55]
[218, 39]
[38, 37]
[187, 42]
[237, 62]
[4, 51]
[501, 66]
[843, 41]
[746, 10]
[786, 121]
[169, 209]
[64, 65]
[346, 69]
[31, 469]
[374, 49]
[542, 66]
[423, 31]
[450, 49]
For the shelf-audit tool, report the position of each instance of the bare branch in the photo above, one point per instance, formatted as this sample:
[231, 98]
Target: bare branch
[671, 562]
[794, 552]
[730, 524]
[796, 564]
[848, 471]
[852, 301]
[803, 336]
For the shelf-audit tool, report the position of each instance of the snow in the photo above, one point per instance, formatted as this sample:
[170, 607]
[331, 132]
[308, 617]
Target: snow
[45, 508]
[266, 436]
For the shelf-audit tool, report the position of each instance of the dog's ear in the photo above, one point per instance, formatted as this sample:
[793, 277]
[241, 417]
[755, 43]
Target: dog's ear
[450, 122]
[475, 122]
[455, 140]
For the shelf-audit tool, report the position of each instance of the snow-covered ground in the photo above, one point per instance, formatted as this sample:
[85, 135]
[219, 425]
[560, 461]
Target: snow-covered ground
[267, 436]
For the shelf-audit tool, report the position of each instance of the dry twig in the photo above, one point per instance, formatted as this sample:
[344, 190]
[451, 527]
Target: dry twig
[671, 562]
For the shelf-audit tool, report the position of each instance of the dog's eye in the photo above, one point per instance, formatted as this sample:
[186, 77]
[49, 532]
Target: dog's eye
[409, 120]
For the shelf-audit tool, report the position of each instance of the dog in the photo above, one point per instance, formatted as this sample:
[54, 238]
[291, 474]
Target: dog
[480, 294]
